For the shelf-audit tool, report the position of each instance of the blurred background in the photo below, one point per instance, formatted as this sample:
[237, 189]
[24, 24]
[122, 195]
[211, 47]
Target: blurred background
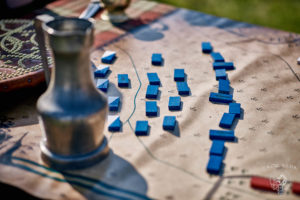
[279, 14]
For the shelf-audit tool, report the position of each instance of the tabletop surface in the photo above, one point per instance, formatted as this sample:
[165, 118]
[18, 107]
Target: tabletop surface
[172, 165]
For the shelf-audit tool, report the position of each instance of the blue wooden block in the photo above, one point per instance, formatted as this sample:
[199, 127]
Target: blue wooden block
[223, 65]
[156, 59]
[217, 57]
[153, 79]
[179, 75]
[169, 123]
[102, 84]
[221, 74]
[221, 135]
[108, 57]
[224, 86]
[113, 103]
[206, 47]
[215, 164]
[235, 108]
[183, 88]
[152, 92]
[227, 120]
[123, 80]
[141, 128]
[174, 103]
[114, 123]
[217, 148]
[101, 73]
[151, 108]
[220, 98]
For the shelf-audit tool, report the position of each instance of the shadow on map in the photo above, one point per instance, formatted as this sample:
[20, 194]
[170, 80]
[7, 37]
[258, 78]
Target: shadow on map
[113, 178]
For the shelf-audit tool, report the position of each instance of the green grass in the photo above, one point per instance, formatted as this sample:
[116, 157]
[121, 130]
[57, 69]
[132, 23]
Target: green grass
[279, 14]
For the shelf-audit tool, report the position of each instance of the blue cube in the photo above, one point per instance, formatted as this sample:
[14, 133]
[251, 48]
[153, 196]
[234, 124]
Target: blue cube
[183, 88]
[227, 120]
[123, 80]
[156, 59]
[235, 108]
[169, 123]
[217, 148]
[151, 108]
[141, 128]
[221, 74]
[217, 57]
[152, 92]
[224, 86]
[206, 47]
[179, 75]
[174, 103]
[153, 79]
[215, 164]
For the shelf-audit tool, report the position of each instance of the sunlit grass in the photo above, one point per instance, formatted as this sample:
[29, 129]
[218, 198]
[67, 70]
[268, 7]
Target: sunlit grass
[280, 14]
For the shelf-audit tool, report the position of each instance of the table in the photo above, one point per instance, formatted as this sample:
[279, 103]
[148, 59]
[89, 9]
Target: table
[172, 165]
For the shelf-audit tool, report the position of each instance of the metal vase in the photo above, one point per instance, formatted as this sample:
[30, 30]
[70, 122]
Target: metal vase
[72, 110]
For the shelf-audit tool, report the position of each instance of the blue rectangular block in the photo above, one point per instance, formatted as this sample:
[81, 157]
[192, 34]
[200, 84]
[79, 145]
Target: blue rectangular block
[227, 120]
[221, 74]
[151, 108]
[221, 135]
[153, 79]
[217, 57]
[169, 123]
[174, 103]
[217, 148]
[206, 47]
[223, 65]
[183, 88]
[113, 103]
[224, 86]
[123, 80]
[156, 59]
[215, 164]
[179, 75]
[235, 108]
[220, 98]
[152, 92]
[141, 128]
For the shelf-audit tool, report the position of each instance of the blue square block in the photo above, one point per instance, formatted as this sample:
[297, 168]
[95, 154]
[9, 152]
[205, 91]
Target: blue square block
[221, 135]
[151, 108]
[156, 59]
[174, 103]
[221, 74]
[215, 164]
[206, 47]
[102, 84]
[115, 124]
[108, 57]
[179, 75]
[152, 92]
[220, 98]
[223, 65]
[224, 86]
[183, 88]
[123, 80]
[227, 120]
[217, 148]
[113, 103]
[235, 108]
[217, 57]
[169, 123]
[141, 128]
[153, 79]
[101, 73]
